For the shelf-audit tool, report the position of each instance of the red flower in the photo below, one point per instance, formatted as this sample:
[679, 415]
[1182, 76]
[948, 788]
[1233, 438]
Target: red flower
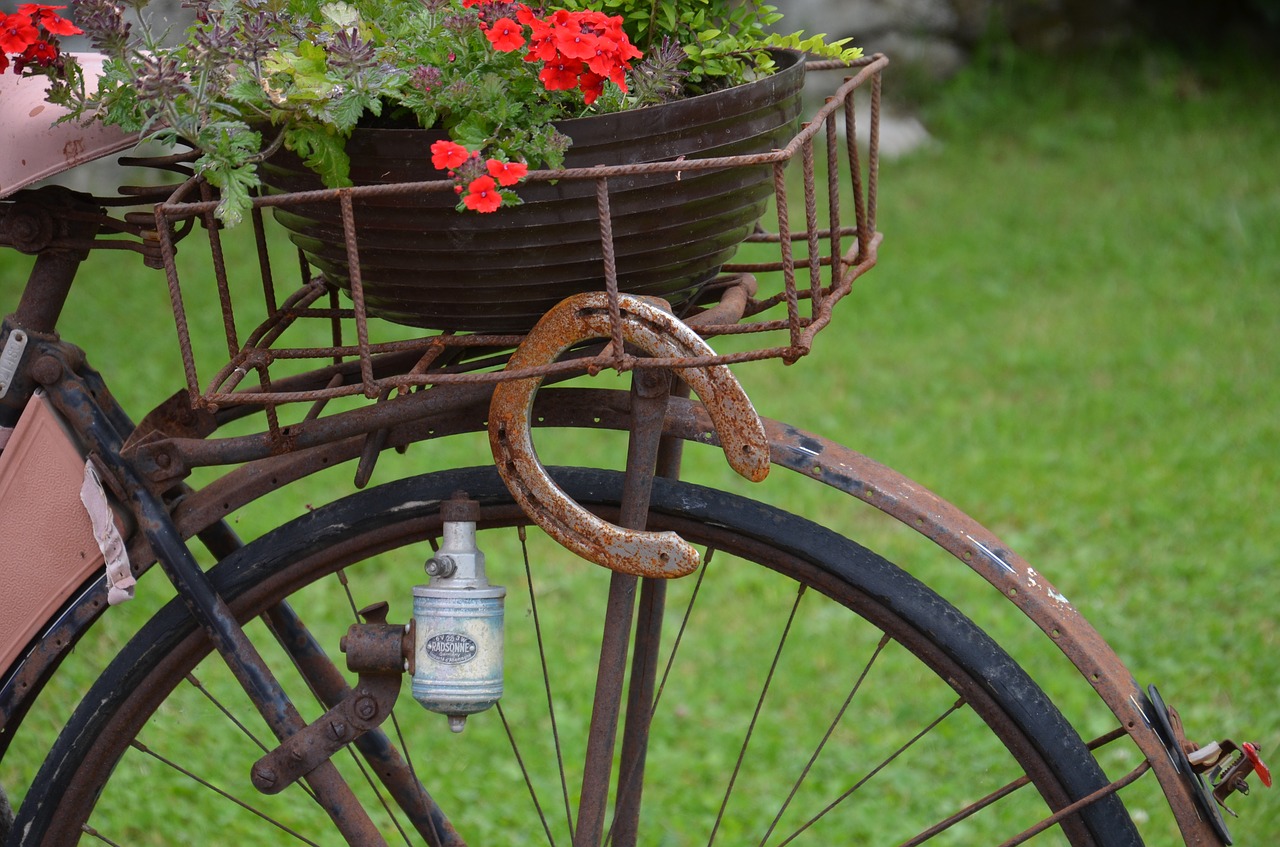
[17, 32]
[446, 155]
[507, 173]
[604, 57]
[483, 195]
[505, 36]
[541, 38]
[40, 53]
[4, 63]
[45, 17]
[526, 16]
[542, 50]
[592, 87]
[560, 75]
[576, 42]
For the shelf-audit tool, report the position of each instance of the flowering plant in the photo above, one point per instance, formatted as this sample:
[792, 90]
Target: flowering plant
[251, 76]
[29, 40]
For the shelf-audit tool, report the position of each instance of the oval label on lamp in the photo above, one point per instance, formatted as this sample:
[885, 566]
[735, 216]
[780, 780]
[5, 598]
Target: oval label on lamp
[451, 648]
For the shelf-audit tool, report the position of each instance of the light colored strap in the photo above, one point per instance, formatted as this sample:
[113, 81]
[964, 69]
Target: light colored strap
[119, 575]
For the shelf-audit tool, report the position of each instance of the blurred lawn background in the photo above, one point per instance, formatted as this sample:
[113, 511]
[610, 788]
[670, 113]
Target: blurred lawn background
[1073, 334]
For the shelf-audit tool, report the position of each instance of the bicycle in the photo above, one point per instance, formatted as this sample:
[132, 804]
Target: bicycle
[252, 628]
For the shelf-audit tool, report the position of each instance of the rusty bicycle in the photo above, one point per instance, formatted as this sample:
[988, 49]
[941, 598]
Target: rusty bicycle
[597, 655]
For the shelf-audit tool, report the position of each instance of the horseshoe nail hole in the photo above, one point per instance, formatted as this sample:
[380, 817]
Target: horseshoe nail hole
[817, 470]
[968, 555]
[1013, 592]
[665, 557]
[1057, 633]
[597, 419]
[1096, 677]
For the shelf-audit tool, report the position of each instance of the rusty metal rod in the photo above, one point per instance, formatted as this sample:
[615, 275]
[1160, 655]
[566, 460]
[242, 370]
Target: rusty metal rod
[649, 401]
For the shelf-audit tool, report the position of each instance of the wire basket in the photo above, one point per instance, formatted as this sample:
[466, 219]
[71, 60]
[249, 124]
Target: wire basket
[308, 344]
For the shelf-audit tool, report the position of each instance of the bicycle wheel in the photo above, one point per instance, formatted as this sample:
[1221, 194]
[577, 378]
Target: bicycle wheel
[807, 691]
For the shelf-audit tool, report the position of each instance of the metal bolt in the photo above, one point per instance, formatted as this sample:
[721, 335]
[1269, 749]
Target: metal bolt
[338, 730]
[47, 370]
[366, 708]
[441, 567]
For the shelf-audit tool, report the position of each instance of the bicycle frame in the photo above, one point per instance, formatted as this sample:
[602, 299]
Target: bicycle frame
[143, 466]
[73, 391]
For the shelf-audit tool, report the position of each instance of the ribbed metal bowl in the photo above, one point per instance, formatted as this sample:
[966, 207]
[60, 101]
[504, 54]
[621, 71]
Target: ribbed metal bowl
[425, 264]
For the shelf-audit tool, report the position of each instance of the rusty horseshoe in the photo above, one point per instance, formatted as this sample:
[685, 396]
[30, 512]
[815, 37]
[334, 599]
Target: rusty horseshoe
[660, 334]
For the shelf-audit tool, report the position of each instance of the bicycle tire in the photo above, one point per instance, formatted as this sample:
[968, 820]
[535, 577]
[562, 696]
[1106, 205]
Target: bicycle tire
[1021, 718]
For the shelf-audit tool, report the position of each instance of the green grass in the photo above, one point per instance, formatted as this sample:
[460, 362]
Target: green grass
[1073, 334]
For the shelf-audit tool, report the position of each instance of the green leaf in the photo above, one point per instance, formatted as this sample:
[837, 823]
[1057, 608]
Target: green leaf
[342, 15]
[323, 151]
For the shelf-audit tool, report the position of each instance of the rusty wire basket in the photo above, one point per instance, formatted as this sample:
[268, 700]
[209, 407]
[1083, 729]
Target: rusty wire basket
[310, 345]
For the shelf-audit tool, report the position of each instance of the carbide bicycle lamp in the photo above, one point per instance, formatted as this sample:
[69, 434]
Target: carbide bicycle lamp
[458, 623]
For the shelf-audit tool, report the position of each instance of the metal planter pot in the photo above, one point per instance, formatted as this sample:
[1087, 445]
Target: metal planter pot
[423, 263]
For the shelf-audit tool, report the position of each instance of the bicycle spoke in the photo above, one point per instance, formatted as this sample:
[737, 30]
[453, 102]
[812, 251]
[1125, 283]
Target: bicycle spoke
[950, 710]
[1066, 812]
[684, 625]
[195, 682]
[546, 680]
[408, 762]
[995, 796]
[884, 641]
[382, 800]
[533, 794]
[755, 715]
[93, 833]
[142, 748]
[968, 811]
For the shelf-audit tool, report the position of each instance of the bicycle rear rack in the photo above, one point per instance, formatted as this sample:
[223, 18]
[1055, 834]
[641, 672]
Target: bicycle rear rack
[782, 287]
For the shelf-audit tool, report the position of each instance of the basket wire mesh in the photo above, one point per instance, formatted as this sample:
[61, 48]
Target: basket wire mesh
[784, 289]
